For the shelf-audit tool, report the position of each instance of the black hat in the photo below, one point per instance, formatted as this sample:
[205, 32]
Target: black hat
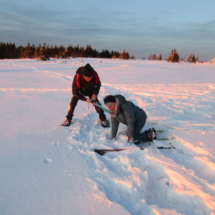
[87, 70]
[110, 99]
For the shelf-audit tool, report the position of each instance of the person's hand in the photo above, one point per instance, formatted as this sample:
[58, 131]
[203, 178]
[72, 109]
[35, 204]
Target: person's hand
[88, 101]
[130, 139]
[94, 96]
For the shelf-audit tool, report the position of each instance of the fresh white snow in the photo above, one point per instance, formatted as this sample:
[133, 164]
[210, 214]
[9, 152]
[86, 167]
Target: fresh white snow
[47, 169]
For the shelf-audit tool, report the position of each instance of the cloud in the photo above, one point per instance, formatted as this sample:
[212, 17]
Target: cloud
[112, 24]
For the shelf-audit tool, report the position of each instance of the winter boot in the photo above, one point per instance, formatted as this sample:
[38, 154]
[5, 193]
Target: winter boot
[136, 142]
[67, 122]
[105, 123]
[152, 135]
[150, 130]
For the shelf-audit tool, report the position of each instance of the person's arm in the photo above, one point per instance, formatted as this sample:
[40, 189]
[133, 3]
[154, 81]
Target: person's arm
[130, 119]
[114, 126]
[97, 87]
[76, 90]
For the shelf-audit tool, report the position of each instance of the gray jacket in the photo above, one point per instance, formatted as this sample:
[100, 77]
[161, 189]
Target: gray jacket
[126, 113]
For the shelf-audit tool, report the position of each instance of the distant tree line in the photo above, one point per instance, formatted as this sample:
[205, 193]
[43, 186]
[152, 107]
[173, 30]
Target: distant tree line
[174, 57]
[9, 51]
[44, 52]
[155, 57]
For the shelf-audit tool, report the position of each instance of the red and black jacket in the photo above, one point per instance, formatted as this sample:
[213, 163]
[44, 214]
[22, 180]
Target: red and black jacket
[82, 88]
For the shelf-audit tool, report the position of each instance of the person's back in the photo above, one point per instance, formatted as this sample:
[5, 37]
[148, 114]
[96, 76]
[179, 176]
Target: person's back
[128, 107]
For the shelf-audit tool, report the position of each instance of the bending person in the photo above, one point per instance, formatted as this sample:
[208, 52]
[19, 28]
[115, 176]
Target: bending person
[85, 83]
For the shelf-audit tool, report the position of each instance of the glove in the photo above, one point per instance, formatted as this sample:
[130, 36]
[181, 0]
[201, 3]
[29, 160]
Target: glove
[93, 98]
[130, 139]
[88, 101]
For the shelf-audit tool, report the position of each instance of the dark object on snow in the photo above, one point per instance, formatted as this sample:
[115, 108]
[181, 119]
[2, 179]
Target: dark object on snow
[104, 151]
[47, 57]
[44, 58]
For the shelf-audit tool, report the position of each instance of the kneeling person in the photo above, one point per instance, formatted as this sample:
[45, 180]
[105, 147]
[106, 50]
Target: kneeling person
[125, 112]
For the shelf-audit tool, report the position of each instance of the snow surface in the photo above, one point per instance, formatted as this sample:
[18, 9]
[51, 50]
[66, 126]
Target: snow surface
[48, 169]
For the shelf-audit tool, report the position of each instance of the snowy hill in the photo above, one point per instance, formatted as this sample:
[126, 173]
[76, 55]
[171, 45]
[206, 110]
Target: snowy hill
[47, 169]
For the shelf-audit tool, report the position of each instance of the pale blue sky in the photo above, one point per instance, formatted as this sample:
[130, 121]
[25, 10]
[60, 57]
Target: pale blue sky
[142, 27]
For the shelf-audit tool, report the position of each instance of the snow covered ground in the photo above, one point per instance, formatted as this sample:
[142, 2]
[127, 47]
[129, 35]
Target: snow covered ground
[47, 169]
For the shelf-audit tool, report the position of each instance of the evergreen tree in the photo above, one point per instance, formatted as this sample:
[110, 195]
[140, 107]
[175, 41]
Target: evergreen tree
[115, 55]
[173, 56]
[160, 57]
[105, 54]
[69, 50]
[152, 57]
[192, 58]
[124, 55]
[61, 50]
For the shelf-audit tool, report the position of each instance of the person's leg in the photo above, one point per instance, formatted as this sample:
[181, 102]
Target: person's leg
[139, 124]
[72, 106]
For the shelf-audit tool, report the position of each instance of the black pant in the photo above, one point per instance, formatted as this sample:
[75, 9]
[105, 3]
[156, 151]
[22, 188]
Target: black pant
[73, 104]
[138, 125]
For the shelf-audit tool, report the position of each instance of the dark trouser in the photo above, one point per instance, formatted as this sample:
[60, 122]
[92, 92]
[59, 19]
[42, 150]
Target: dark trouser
[139, 123]
[73, 104]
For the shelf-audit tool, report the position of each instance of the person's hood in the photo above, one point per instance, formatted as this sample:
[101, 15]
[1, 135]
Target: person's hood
[120, 100]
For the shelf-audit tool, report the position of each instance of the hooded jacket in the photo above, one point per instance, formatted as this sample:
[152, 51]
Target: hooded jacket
[126, 113]
[82, 88]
